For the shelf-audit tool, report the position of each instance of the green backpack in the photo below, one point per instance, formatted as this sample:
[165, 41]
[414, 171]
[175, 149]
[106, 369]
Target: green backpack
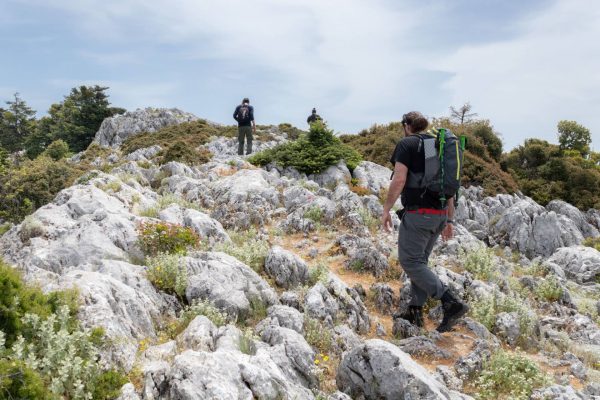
[443, 152]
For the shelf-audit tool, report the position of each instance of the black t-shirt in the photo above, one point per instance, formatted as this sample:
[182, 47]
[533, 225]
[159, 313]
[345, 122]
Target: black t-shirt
[250, 116]
[408, 153]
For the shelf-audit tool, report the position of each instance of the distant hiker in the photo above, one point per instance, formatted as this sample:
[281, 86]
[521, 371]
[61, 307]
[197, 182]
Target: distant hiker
[313, 117]
[428, 201]
[244, 115]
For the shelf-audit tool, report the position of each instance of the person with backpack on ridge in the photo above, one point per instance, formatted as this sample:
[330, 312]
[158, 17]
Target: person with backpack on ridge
[313, 117]
[426, 175]
[244, 115]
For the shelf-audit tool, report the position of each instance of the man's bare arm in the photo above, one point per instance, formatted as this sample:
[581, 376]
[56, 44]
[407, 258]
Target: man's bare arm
[396, 187]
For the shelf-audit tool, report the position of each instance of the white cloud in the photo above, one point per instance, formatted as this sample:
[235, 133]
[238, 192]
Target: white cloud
[548, 73]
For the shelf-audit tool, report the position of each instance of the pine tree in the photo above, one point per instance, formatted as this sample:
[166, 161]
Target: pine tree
[16, 124]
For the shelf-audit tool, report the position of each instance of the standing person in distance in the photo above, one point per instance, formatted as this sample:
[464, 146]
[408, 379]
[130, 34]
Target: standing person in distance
[426, 216]
[244, 115]
[313, 117]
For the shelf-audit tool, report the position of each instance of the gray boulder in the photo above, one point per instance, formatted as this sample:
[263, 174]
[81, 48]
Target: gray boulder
[383, 296]
[332, 176]
[286, 268]
[579, 263]
[580, 219]
[328, 302]
[368, 259]
[231, 285]
[557, 392]
[283, 316]
[507, 327]
[372, 176]
[114, 130]
[205, 226]
[379, 370]
[144, 154]
[422, 346]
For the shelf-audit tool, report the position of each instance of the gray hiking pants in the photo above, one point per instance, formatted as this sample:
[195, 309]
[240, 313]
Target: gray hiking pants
[244, 132]
[417, 236]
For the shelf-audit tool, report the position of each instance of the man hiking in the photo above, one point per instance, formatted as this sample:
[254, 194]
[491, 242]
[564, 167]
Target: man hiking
[426, 215]
[313, 117]
[244, 115]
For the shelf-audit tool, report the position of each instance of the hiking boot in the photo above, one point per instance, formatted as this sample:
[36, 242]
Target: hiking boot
[414, 315]
[453, 310]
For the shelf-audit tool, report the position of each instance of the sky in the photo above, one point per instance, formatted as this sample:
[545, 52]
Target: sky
[524, 65]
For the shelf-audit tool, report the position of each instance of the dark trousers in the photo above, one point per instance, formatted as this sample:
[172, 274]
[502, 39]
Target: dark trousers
[417, 236]
[244, 132]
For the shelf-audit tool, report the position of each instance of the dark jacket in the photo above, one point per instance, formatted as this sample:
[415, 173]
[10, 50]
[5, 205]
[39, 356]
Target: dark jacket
[237, 116]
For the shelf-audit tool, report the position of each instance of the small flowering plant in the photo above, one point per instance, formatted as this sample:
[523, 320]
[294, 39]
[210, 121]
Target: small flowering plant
[162, 237]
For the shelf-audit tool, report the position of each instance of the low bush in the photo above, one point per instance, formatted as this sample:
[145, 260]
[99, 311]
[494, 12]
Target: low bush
[206, 308]
[181, 152]
[168, 273]
[191, 134]
[510, 376]
[246, 342]
[592, 242]
[318, 335]
[162, 237]
[480, 262]
[311, 153]
[44, 354]
[318, 273]
[549, 289]
[18, 299]
[30, 228]
[57, 150]
[486, 309]
[247, 247]
[314, 213]
[33, 184]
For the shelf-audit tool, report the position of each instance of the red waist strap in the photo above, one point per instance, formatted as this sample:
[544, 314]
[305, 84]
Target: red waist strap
[433, 211]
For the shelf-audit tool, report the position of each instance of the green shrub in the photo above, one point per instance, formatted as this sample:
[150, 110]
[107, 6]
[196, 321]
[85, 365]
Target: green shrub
[162, 237]
[57, 150]
[319, 273]
[18, 299]
[368, 219]
[168, 272]
[66, 358]
[246, 342]
[311, 153]
[511, 376]
[486, 309]
[206, 308]
[44, 354]
[592, 242]
[314, 213]
[166, 200]
[549, 289]
[318, 335]
[30, 228]
[246, 247]
[33, 184]
[5, 228]
[192, 134]
[480, 262]
[182, 152]
[18, 381]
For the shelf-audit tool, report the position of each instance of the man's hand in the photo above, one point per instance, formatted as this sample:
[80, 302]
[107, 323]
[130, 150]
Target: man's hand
[386, 221]
[448, 232]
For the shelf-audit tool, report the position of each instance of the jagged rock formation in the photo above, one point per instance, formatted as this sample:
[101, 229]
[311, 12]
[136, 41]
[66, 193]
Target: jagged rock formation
[115, 130]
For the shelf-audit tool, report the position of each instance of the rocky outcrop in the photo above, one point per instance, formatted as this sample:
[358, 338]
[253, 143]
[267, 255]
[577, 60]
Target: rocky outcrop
[231, 285]
[372, 176]
[286, 268]
[379, 370]
[579, 263]
[115, 130]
